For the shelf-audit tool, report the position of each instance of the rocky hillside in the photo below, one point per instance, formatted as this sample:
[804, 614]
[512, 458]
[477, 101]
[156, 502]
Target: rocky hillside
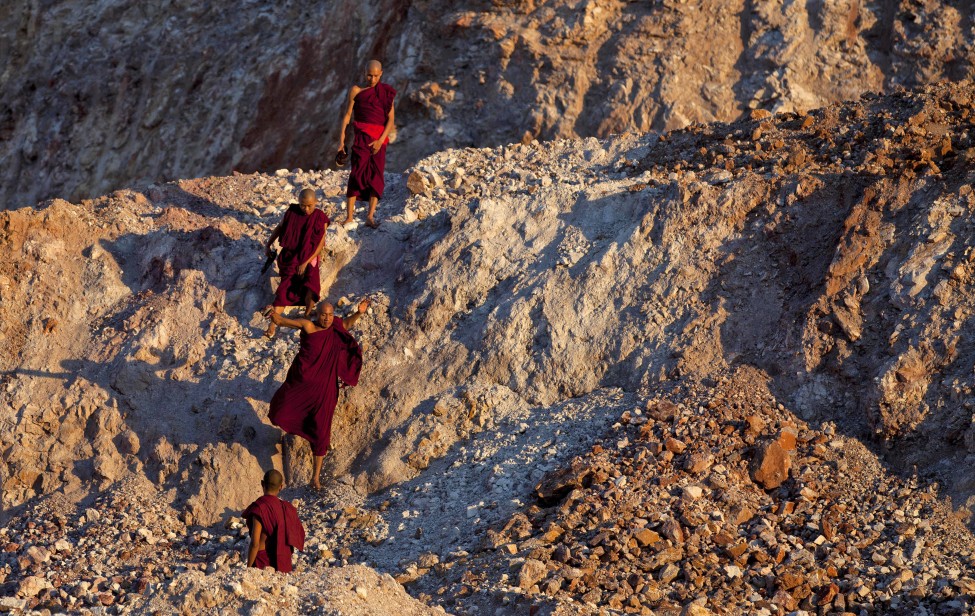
[726, 369]
[105, 94]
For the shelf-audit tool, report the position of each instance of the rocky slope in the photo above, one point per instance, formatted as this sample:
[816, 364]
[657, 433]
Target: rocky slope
[106, 94]
[769, 314]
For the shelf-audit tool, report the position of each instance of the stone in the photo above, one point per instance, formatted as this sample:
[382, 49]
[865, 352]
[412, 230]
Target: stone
[32, 585]
[38, 555]
[128, 443]
[697, 462]
[532, 572]
[787, 437]
[416, 183]
[756, 425]
[12, 604]
[671, 529]
[770, 465]
[694, 609]
[664, 410]
[646, 537]
[668, 573]
[674, 446]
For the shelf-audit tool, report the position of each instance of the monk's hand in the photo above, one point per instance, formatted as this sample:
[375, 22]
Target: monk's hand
[302, 269]
[375, 145]
[275, 318]
[364, 305]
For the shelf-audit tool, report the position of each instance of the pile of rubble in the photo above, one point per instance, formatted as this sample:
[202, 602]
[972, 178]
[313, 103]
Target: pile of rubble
[719, 498]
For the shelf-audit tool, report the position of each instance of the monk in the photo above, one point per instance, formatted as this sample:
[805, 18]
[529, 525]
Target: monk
[301, 234]
[327, 356]
[276, 531]
[371, 108]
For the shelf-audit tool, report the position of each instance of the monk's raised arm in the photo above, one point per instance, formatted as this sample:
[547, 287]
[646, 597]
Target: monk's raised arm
[350, 321]
[255, 546]
[347, 117]
[303, 324]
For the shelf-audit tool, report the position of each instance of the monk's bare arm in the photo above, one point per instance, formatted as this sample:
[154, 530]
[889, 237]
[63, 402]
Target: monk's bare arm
[314, 254]
[349, 322]
[390, 123]
[255, 546]
[274, 235]
[303, 324]
[347, 117]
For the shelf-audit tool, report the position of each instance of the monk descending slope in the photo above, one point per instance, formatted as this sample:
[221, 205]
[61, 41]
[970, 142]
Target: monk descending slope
[305, 403]
[301, 234]
[275, 528]
[370, 108]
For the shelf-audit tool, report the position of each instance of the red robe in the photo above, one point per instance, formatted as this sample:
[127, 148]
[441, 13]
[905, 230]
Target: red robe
[305, 403]
[370, 114]
[285, 534]
[300, 234]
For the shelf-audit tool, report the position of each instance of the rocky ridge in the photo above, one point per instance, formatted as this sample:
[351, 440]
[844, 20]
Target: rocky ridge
[527, 298]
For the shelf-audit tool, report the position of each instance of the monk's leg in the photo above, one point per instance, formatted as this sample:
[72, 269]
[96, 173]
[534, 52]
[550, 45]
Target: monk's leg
[309, 303]
[371, 216]
[272, 328]
[349, 210]
[316, 472]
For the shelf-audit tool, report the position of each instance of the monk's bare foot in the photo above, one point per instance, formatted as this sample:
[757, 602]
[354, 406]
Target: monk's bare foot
[271, 330]
[348, 221]
[372, 224]
[316, 484]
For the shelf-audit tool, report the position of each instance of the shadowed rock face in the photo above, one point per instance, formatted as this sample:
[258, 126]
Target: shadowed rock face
[106, 94]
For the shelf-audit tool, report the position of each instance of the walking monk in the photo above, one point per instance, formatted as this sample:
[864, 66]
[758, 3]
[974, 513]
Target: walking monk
[328, 353]
[371, 108]
[275, 528]
[301, 234]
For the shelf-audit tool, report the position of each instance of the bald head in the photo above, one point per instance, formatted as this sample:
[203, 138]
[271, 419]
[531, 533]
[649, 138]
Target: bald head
[374, 72]
[326, 314]
[272, 482]
[307, 196]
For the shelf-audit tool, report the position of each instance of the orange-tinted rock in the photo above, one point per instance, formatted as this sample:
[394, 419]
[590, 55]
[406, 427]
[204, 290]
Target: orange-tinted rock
[770, 466]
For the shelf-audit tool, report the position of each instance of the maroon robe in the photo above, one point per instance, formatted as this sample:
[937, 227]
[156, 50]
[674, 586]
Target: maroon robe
[300, 234]
[285, 534]
[370, 114]
[305, 403]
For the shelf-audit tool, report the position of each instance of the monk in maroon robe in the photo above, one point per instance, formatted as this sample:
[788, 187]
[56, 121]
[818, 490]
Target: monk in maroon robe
[276, 531]
[328, 356]
[301, 234]
[370, 108]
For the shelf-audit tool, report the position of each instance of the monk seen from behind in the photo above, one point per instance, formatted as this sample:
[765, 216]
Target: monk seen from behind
[276, 531]
[328, 356]
[301, 234]
[370, 109]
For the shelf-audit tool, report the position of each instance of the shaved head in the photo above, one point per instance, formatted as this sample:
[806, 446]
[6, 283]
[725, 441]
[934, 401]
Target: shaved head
[273, 480]
[374, 72]
[326, 314]
[306, 196]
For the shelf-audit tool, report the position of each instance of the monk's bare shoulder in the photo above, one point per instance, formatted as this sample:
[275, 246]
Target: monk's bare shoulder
[353, 91]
